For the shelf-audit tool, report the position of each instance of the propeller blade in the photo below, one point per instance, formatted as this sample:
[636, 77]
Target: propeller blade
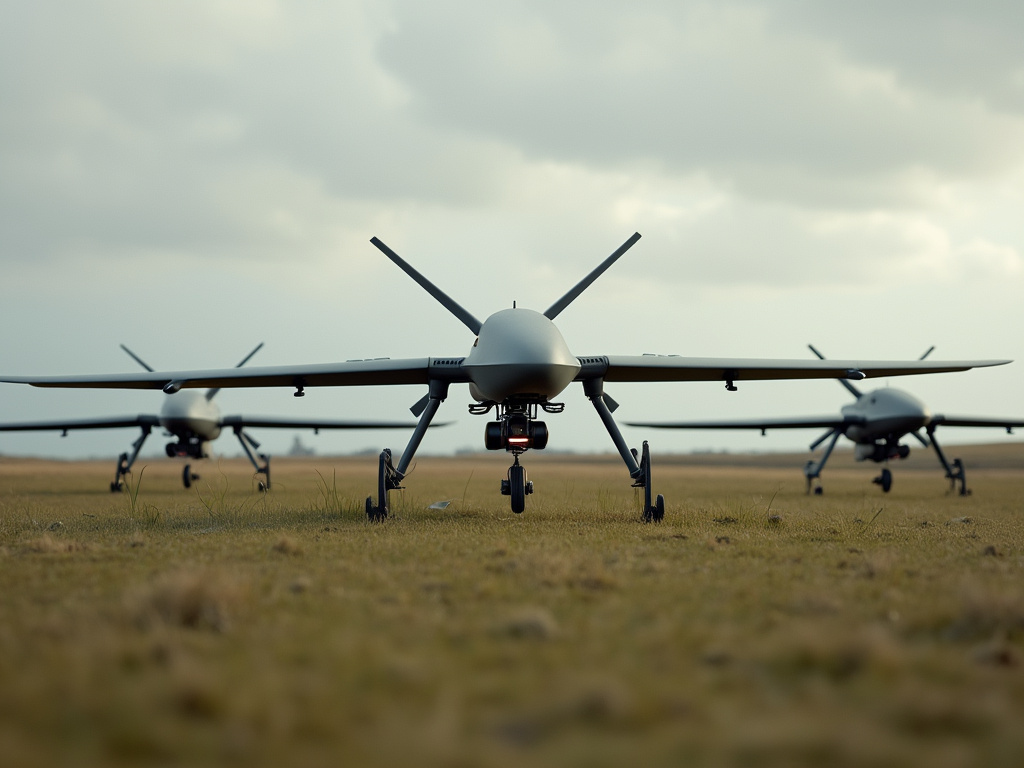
[928, 352]
[446, 301]
[553, 311]
[136, 358]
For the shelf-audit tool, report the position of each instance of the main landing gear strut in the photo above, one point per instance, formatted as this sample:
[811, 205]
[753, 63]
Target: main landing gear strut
[389, 477]
[124, 461]
[812, 469]
[955, 471]
[249, 445]
[654, 510]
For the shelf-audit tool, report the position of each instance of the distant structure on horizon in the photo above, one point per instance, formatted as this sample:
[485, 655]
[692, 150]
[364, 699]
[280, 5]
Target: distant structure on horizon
[298, 449]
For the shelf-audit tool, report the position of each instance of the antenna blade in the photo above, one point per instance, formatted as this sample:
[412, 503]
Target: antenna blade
[212, 393]
[136, 358]
[248, 357]
[849, 387]
[447, 301]
[927, 352]
[555, 309]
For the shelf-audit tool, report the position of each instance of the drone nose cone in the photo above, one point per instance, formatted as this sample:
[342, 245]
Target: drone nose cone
[893, 410]
[519, 352]
[190, 413]
[914, 408]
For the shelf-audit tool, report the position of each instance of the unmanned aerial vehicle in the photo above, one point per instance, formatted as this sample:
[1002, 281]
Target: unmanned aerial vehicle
[876, 423]
[517, 365]
[194, 420]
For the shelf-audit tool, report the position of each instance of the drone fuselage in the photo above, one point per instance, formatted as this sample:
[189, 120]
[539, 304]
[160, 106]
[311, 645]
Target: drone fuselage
[188, 414]
[519, 354]
[888, 415]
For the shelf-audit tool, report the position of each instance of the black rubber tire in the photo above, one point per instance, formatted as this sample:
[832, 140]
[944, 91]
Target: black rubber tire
[659, 509]
[374, 513]
[517, 486]
[886, 481]
[186, 476]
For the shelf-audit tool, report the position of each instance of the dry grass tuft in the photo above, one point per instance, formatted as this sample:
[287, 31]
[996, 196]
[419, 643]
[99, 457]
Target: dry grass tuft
[194, 599]
[286, 545]
[998, 652]
[46, 544]
[529, 623]
[986, 613]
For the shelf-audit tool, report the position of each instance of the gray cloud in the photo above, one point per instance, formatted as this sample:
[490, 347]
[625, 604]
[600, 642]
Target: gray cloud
[946, 48]
[192, 178]
[725, 88]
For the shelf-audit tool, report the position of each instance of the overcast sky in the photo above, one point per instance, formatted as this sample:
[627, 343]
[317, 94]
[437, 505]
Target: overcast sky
[192, 178]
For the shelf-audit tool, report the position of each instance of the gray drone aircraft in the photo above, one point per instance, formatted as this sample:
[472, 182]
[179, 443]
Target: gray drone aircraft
[517, 364]
[876, 423]
[194, 420]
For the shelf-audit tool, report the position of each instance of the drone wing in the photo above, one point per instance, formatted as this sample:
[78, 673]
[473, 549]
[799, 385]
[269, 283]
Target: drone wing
[352, 373]
[271, 422]
[828, 422]
[142, 420]
[730, 370]
[971, 421]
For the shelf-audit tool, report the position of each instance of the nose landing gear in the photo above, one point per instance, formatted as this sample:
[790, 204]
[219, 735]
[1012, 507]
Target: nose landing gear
[884, 480]
[517, 486]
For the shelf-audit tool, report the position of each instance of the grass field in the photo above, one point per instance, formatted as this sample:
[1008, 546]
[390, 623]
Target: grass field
[755, 626]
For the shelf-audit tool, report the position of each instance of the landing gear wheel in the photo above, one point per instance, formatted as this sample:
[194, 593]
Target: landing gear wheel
[818, 491]
[656, 512]
[959, 474]
[122, 470]
[517, 487]
[653, 512]
[374, 513]
[186, 476]
[386, 481]
[884, 480]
